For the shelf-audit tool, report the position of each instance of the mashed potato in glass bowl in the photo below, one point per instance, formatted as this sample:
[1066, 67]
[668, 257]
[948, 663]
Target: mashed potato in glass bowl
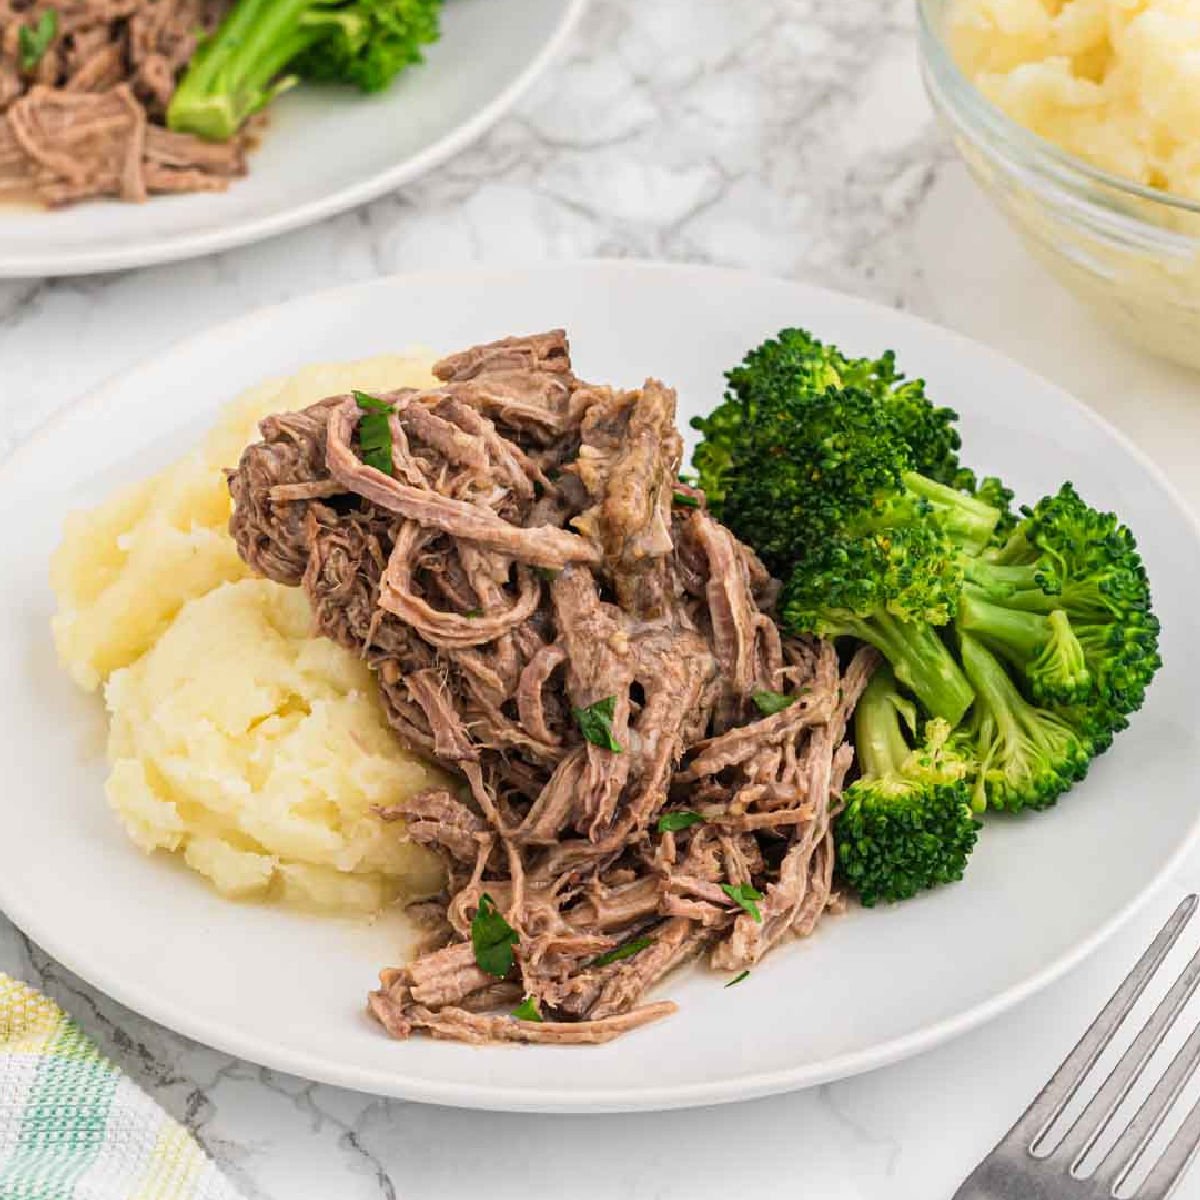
[1081, 119]
[239, 741]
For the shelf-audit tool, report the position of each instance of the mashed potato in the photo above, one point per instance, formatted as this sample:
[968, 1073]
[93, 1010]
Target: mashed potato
[1115, 82]
[237, 739]
[126, 567]
[260, 751]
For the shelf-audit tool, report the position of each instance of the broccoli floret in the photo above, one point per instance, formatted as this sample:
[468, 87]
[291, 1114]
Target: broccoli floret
[1066, 602]
[796, 363]
[790, 469]
[822, 486]
[907, 824]
[780, 438]
[1025, 757]
[263, 47]
[371, 43]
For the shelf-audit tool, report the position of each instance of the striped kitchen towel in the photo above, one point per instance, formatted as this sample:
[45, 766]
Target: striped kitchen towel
[72, 1127]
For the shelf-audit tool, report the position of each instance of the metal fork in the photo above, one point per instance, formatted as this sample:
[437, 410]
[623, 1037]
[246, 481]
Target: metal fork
[1022, 1168]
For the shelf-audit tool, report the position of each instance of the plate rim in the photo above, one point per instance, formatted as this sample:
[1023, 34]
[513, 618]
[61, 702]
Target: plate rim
[507, 1098]
[179, 247]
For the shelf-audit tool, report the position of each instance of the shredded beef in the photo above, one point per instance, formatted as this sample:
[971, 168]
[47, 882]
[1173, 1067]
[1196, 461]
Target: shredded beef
[87, 120]
[521, 565]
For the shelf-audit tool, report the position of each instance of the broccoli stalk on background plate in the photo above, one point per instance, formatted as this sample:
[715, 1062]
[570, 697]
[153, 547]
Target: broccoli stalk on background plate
[907, 824]
[264, 47]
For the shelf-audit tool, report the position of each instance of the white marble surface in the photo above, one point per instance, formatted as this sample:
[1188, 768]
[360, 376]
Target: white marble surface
[789, 136]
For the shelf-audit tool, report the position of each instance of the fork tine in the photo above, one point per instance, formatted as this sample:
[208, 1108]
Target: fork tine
[1090, 1123]
[1130, 1146]
[1063, 1084]
[1181, 1149]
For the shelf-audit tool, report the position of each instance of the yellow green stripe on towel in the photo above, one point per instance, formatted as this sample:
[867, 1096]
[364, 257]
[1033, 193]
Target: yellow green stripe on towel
[73, 1127]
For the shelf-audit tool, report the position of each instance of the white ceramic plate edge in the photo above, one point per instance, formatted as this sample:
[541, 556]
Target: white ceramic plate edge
[499, 1098]
[177, 247]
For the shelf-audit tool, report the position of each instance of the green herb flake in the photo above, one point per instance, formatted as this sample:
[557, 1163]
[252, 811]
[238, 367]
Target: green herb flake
[771, 702]
[683, 500]
[492, 939]
[371, 404]
[34, 41]
[672, 822]
[746, 895]
[375, 432]
[527, 1010]
[628, 950]
[546, 573]
[473, 614]
[595, 723]
[737, 979]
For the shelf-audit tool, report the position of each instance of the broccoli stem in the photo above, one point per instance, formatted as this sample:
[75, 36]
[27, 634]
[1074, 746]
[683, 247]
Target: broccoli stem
[879, 740]
[1018, 550]
[919, 658]
[1027, 756]
[1019, 634]
[1017, 586]
[1043, 647]
[968, 520]
[997, 701]
[236, 72]
[996, 691]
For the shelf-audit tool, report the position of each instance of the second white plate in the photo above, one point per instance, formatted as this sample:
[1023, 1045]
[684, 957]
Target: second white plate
[287, 990]
[324, 151]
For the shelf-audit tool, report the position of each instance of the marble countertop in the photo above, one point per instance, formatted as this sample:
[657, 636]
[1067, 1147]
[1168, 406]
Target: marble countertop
[788, 136]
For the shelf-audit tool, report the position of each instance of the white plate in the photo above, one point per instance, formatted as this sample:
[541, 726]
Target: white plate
[287, 990]
[325, 150]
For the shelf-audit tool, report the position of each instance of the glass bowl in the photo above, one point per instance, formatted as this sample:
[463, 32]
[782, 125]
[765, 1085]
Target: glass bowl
[1130, 252]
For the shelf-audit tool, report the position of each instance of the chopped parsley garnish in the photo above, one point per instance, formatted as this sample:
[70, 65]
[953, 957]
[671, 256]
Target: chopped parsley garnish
[746, 895]
[492, 939]
[473, 613]
[34, 41]
[595, 723]
[628, 950]
[371, 404]
[683, 500]
[737, 979]
[375, 432]
[672, 822]
[527, 1010]
[771, 702]
[546, 573]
